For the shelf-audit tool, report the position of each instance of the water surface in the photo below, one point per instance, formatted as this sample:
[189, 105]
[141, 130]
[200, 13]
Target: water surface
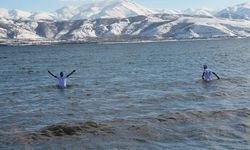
[126, 96]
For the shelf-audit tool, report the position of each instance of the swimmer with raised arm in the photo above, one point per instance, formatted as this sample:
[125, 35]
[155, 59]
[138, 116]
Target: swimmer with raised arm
[62, 81]
[208, 74]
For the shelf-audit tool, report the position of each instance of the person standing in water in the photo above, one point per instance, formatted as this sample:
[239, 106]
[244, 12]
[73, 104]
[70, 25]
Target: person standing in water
[208, 74]
[62, 81]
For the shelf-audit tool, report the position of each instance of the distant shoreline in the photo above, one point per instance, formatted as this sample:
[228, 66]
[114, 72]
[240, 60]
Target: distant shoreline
[59, 42]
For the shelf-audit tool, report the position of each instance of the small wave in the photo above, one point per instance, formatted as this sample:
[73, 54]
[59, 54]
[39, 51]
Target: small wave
[235, 80]
[226, 94]
[196, 126]
[65, 129]
[242, 127]
[200, 116]
[185, 96]
[72, 85]
[3, 57]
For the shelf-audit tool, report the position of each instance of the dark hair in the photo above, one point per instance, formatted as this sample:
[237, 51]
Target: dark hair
[61, 74]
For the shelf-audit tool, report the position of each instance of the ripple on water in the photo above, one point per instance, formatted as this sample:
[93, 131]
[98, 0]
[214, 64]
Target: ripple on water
[126, 96]
[204, 127]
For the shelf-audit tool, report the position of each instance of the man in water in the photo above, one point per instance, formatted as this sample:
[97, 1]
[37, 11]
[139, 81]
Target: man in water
[208, 74]
[62, 81]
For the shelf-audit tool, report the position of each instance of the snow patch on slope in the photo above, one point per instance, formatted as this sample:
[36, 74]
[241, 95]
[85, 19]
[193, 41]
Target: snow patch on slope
[198, 12]
[241, 11]
[139, 27]
[14, 14]
[43, 16]
[111, 9]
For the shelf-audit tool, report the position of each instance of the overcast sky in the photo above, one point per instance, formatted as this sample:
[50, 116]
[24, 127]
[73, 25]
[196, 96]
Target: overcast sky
[51, 5]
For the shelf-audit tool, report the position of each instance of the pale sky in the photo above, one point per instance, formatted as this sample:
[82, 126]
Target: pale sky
[51, 5]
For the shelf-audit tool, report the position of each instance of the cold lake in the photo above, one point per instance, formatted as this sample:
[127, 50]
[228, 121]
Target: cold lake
[126, 96]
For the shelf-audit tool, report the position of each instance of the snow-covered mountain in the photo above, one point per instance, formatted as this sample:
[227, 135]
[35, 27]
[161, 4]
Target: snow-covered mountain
[169, 11]
[94, 10]
[13, 14]
[111, 9]
[43, 16]
[241, 11]
[151, 27]
[122, 20]
[66, 13]
[198, 12]
[120, 9]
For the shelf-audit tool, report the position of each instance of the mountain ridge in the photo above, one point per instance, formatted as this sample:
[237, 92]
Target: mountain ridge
[240, 11]
[100, 26]
[138, 28]
[100, 9]
[120, 9]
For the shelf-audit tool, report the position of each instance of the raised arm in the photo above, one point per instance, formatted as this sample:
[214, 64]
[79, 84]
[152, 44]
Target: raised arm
[71, 73]
[216, 75]
[52, 74]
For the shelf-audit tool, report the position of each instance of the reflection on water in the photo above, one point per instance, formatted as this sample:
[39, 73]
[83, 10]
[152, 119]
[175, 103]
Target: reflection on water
[126, 96]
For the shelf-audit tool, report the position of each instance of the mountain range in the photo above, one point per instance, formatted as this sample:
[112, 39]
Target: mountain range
[241, 11]
[98, 9]
[122, 20]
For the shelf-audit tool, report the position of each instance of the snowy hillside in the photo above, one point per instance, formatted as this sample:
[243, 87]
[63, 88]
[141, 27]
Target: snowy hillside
[66, 13]
[122, 20]
[94, 10]
[241, 11]
[111, 9]
[4, 13]
[13, 14]
[43, 16]
[120, 9]
[152, 27]
[198, 12]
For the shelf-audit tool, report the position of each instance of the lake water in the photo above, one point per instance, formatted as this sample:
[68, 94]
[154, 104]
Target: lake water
[126, 96]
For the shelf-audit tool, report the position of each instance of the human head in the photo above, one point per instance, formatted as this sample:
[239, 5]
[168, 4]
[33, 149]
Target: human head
[205, 66]
[61, 74]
